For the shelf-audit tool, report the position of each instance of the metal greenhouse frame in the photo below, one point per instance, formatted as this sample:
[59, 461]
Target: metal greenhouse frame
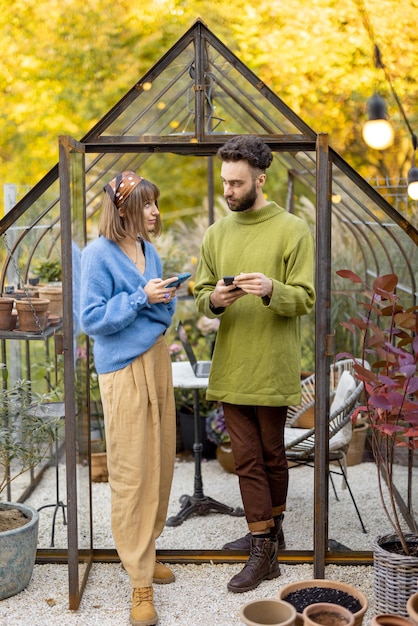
[182, 110]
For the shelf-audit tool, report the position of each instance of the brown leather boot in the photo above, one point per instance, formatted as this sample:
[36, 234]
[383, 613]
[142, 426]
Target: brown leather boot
[278, 531]
[244, 543]
[261, 565]
[143, 612]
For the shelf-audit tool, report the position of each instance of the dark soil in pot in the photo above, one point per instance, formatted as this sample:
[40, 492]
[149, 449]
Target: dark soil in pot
[311, 595]
[395, 547]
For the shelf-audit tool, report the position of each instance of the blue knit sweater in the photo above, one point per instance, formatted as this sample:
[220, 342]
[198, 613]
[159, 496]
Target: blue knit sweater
[114, 308]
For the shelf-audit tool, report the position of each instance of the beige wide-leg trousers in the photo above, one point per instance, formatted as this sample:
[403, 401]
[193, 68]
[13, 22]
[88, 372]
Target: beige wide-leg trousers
[140, 424]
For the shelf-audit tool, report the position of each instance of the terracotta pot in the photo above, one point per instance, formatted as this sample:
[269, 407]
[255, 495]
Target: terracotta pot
[99, 472]
[387, 619]
[225, 457]
[412, 608]
[318, 588]
[26, 311]
[6, 307]
[54, 295]
[267, 611]
[357, 444]
[327, 614]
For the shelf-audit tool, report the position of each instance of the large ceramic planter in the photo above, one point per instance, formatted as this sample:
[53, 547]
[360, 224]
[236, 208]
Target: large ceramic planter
[267, 611]
[18, 552]
[302, 593]
[412, 608]
[395, 575]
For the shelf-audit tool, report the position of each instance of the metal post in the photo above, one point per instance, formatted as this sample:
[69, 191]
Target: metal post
[322, 331]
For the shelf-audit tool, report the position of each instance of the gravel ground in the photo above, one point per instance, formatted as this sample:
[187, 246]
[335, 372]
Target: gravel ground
[199, 595]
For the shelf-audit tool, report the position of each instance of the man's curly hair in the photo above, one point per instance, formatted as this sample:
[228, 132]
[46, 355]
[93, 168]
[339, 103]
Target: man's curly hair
[249, 148]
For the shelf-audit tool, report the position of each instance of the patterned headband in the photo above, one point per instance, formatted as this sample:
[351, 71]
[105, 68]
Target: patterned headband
[120, 187]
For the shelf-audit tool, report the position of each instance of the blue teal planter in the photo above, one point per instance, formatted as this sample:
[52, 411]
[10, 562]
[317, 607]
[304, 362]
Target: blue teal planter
[18, 552]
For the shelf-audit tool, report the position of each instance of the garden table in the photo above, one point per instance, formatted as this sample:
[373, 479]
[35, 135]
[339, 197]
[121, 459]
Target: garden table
[198, 503]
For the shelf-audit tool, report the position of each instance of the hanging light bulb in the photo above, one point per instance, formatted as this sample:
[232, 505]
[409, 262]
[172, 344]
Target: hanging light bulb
[412, 180]
[378, 132]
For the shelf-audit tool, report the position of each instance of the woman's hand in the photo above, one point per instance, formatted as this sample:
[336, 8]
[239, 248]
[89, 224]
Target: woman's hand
[158, 292]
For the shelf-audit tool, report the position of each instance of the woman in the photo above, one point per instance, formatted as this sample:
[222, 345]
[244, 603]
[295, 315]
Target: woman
[126, 307]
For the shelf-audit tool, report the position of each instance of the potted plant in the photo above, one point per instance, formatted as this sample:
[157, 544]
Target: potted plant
[25, 439]
[217, 432]
[389, 342]
[49, 273]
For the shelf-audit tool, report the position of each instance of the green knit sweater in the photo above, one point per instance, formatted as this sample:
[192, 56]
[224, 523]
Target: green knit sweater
[256, 360]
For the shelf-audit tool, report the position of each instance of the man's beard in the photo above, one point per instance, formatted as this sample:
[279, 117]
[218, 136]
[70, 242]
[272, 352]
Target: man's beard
[247, 202]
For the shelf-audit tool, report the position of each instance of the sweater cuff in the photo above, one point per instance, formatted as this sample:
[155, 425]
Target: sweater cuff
[138, 299]
[216, 310]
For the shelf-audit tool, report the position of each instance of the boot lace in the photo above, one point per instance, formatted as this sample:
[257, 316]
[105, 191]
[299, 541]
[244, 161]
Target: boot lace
[142, 594]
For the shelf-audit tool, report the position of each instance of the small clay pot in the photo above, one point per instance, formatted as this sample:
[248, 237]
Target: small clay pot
[6, 308]
[412, 608]
[99, 471]
[309, 588]
[388, 619]
[225, 457]
[327, 614]
[268, 611]
[32, 314]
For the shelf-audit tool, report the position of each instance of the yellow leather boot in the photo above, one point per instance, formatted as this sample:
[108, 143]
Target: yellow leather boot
[143, 612]
[162, 574]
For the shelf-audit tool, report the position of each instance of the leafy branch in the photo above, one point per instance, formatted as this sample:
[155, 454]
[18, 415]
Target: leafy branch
[389, 340]
[26, 433]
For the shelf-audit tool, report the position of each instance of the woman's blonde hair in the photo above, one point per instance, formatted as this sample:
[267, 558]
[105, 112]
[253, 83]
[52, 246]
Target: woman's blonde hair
[115, 227]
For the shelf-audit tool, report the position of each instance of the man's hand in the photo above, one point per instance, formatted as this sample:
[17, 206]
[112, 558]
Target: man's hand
[225, 295]
[255, 283]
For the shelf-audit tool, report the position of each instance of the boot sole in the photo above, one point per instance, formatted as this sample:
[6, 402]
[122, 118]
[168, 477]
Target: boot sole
[270, 576]
[164, 581]
[147, 622]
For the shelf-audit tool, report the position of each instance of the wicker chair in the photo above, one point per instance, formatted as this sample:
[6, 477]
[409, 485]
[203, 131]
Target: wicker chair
[345, 392]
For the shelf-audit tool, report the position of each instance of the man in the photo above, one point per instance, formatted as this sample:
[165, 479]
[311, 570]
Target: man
[255, 369]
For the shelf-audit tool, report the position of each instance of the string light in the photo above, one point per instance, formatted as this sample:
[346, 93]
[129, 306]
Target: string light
[378, 132]
[379, 108]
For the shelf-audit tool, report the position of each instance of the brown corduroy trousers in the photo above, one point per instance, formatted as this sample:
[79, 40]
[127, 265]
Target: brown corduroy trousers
[257, 442]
